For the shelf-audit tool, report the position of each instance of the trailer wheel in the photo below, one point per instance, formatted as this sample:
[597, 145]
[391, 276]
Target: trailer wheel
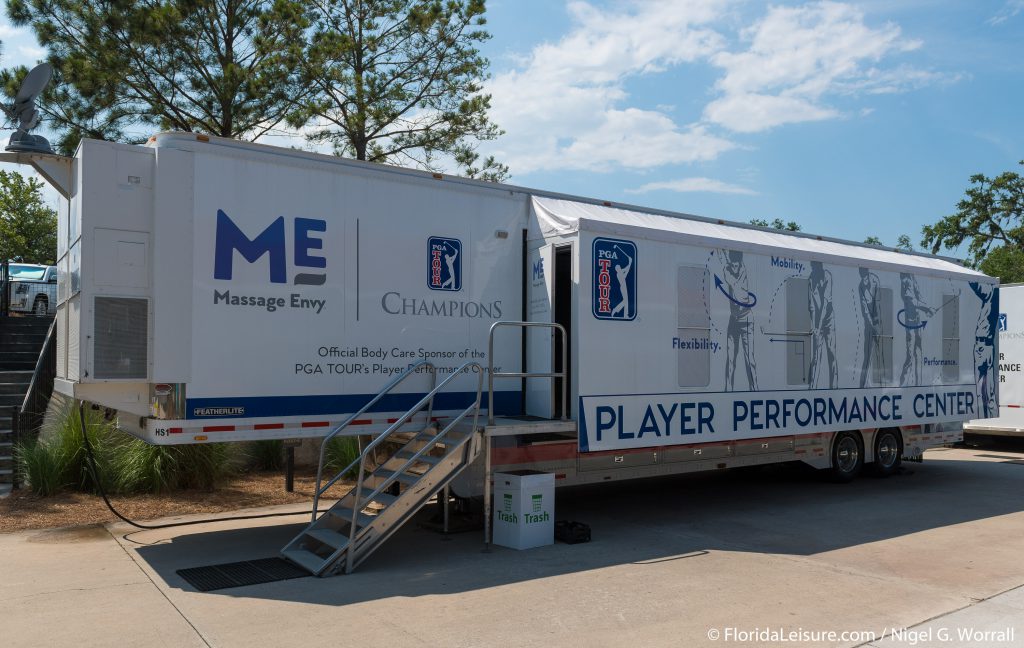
[41, 306]
[888, 452]
[847, 456]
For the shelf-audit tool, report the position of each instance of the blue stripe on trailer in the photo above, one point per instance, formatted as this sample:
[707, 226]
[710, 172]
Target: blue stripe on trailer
[505, 402]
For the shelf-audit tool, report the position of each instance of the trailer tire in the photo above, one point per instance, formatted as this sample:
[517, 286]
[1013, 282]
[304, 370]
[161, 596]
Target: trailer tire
[888, 452]
[41, 306]
[847, 457]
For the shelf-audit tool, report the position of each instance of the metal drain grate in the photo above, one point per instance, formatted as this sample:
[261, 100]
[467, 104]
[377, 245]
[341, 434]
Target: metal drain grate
[237, 574]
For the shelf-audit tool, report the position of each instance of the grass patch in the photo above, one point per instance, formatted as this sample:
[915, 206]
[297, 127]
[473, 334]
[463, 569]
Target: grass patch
[137, 467]
[38, 464]
[57, 459]
[266, 455]
[340, 452]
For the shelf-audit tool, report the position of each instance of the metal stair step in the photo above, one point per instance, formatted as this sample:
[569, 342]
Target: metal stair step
[404, 478]
[22, 346]
[345, 513]
[17, 365]
[26, 323]
[21, 355]
[24, 377]
[408, 454]
[13, 388]
[385, 499]
[330, 538]
[305, 559]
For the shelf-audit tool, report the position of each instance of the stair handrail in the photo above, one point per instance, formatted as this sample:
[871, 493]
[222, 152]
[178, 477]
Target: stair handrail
[491, 374]
[410, 370]
[5, 286]
[44, 372]
[357, 501]
[433, 441]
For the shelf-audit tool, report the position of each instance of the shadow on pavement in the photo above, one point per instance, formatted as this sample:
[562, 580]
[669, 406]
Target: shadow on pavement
[776, 510]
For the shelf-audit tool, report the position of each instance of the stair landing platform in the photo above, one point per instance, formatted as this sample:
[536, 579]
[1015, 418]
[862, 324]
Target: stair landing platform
[511, 425]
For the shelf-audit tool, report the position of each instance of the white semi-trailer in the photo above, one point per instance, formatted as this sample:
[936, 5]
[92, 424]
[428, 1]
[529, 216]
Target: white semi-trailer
[1010, 419]
[214, 290]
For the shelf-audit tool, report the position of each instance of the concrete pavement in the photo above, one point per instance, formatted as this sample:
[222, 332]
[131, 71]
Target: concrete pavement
[672, 562]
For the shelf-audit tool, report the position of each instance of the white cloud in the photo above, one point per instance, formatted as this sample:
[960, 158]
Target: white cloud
[797, 57]
[751, 112]
[33, 53]
[563, 107]
[631, 138]
[19, 45]
[1009, 10]
[7, 30]
[685, 185]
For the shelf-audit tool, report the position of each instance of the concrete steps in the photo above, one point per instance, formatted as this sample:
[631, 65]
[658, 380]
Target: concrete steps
[21, 341]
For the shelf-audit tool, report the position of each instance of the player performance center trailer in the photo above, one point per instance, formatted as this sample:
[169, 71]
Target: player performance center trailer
[213, 290]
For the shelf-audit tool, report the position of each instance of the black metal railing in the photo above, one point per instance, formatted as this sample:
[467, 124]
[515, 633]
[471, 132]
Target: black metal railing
[28, 419]
[5, 289]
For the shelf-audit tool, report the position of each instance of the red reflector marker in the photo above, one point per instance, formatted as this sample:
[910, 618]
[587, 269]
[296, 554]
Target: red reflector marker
[219, 428]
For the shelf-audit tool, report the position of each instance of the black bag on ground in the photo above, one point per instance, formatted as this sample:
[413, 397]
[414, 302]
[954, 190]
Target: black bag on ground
[571, 532]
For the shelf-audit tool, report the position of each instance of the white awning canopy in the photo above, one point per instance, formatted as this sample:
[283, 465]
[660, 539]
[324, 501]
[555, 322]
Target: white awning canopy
[553, 217]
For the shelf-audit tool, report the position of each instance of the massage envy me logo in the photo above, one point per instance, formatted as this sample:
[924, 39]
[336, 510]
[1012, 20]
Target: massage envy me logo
[614, 277]
[271, 243]
[444, 264]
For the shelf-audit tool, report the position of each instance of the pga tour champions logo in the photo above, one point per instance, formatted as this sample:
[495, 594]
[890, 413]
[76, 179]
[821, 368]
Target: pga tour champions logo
[614, 276]
[444, 263]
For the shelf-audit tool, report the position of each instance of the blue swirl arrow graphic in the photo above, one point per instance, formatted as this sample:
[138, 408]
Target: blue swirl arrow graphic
[752, 296]
[904, 324]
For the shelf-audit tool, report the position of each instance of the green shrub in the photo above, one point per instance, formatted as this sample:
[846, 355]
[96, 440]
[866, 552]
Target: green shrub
[138, 467]
[341, 451]
[125, 464]
[57, 460]
[266, 455]
[40, 466]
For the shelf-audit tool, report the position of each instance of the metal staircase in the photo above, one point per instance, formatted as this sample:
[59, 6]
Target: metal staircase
[385, 496]
[27, 366]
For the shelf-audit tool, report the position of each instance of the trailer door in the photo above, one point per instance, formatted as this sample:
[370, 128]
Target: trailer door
[562, 285]
[539, 357]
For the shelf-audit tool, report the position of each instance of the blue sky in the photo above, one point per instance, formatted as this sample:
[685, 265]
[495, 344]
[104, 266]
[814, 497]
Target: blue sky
[851, 118]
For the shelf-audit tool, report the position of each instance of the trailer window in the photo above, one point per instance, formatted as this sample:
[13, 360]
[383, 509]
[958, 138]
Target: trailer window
[693, 331]
[797, 338]
[881, 372]
[950, 338]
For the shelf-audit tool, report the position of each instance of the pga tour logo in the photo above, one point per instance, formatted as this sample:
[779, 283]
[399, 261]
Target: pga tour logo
[1002, 321]
[444, 263]
[614, 276]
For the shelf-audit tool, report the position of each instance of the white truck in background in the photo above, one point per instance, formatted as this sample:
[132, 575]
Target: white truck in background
[33, 288]
[1010, 422]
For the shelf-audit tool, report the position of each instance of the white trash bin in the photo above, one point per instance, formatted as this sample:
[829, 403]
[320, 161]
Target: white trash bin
[524, 509]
